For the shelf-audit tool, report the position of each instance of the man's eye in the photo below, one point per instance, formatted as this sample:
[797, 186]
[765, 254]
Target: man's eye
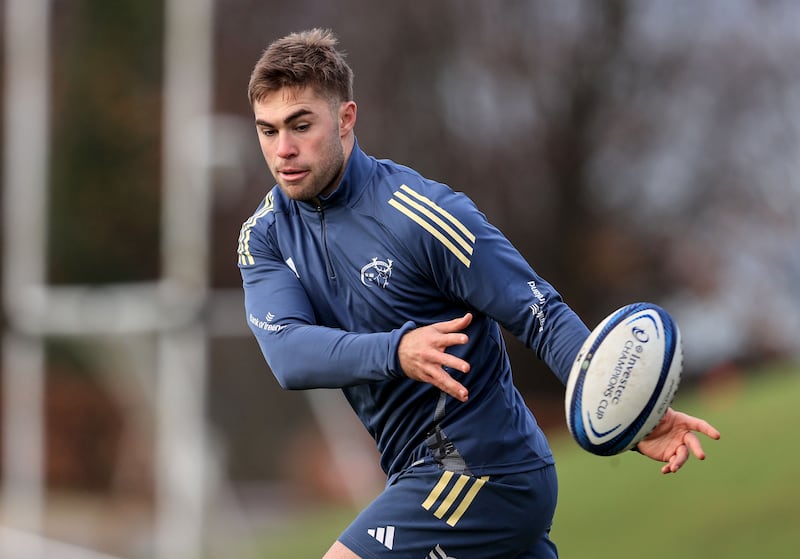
[267, 132]
[302, 127]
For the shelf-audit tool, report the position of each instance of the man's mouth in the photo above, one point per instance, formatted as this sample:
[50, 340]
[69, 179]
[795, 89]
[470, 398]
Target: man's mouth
[293, 174]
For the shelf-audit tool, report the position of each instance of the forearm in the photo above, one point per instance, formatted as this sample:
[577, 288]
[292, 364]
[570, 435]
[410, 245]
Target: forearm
[309, 356]
[561, 339]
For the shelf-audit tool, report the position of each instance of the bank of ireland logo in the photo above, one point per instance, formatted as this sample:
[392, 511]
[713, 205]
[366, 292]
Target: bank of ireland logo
[377, 272]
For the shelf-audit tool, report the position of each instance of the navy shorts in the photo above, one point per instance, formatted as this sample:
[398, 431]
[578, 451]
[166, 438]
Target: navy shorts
[430, 513]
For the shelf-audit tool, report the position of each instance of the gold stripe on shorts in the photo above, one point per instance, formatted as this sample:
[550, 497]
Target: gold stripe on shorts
[447, 495]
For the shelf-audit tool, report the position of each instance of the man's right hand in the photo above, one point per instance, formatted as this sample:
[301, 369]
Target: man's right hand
[423, 357]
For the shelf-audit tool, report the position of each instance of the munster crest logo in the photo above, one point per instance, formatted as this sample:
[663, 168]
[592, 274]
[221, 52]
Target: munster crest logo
[377, 272]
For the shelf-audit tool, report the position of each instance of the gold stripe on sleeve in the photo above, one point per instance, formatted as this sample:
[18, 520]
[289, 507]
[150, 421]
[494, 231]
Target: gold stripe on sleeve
[434, 219]
[433, 231]
[467, 233]
[245, 258]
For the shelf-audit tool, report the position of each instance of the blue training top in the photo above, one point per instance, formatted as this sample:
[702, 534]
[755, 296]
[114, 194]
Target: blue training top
[331, 287]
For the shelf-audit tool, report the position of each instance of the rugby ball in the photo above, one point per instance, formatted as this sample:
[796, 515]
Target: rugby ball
[623, 379]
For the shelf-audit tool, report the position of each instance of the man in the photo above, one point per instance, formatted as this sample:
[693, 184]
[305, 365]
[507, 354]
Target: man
[362, 275]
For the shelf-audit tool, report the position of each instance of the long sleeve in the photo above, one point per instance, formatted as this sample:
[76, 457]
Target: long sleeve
[300, 353]
[478, 265]
[332, 286]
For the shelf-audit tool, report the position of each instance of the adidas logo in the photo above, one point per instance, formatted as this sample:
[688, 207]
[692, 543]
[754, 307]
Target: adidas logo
[439, 553]
[384, 534]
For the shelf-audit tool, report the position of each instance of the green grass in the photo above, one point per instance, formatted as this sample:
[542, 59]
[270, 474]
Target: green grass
[742, 502]
[305, 536]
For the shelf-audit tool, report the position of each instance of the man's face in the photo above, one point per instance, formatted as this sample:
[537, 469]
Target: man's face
[301, 135]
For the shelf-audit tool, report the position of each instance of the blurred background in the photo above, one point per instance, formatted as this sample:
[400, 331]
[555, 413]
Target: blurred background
[645, 150]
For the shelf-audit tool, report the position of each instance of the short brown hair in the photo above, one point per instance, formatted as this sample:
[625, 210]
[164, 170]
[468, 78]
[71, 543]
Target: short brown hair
[306, 58]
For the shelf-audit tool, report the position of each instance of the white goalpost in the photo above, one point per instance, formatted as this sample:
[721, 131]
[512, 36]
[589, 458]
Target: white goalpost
[179, 309]
[168, 307]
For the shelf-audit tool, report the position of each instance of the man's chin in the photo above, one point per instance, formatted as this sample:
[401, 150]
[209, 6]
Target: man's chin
[298, 192]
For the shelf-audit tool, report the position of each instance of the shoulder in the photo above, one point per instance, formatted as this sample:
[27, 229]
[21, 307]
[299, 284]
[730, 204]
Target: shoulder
[428, 211]
[265, 212]
[398, 187]
[256, 226]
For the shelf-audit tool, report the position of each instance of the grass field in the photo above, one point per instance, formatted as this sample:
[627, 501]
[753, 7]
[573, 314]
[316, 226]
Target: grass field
[742, 502]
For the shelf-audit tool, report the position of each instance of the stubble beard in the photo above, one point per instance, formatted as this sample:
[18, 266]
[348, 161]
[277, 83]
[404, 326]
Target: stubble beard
[332, 167]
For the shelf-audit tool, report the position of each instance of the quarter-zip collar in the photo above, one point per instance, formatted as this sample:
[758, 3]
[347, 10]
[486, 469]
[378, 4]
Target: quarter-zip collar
[356, 175]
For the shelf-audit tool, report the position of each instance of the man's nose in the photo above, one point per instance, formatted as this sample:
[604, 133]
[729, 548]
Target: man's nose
[286, 146]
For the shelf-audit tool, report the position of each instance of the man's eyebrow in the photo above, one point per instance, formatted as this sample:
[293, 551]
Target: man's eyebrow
[294, 116]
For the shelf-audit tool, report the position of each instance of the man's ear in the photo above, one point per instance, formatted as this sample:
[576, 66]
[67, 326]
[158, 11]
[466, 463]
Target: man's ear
[347, 117]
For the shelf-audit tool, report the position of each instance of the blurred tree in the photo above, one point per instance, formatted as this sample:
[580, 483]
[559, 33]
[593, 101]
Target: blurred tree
[105, 206]
[601, 137]
[631, 150]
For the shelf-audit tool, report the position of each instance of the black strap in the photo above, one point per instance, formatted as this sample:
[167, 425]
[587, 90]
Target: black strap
[442, 448]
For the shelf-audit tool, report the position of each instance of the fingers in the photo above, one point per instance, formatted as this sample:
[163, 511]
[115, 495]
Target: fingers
[453, 362]
[446, 340]
[690, 443]
[423, 355]
[434, 374]
[691, 423]
[676, 460]
[452, 387]
[691, 440]
[708, 430]
[439, 377]
[456, 324]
